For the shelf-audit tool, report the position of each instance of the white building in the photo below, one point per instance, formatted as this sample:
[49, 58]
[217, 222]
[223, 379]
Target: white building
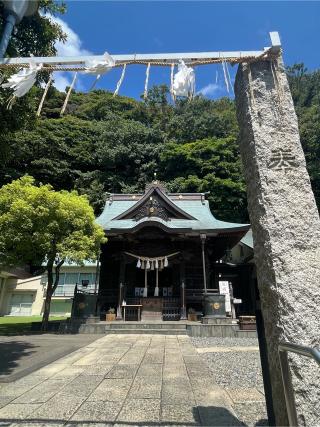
[23, 295]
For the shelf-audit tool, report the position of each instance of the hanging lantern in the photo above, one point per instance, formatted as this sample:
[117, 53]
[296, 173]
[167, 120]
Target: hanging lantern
[139, 263]
[148, 265]
[166, 262]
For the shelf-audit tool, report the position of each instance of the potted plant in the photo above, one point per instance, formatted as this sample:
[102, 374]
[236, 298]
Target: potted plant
[192, 315]
[111, 315]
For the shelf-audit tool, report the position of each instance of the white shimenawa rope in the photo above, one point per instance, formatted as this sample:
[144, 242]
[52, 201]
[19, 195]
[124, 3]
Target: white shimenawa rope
[68, 95]
[225, 75]
[229, 78]
[95, 82]
[171, 82]
[145, 94]
[192, 88]
[44, 95]
[120, 80]
[22, 81]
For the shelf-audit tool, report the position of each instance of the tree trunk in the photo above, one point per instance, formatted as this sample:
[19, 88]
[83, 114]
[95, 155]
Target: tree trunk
[52, 285]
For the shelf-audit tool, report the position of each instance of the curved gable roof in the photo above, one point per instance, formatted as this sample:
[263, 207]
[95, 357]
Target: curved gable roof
[173, 208]
[195, 209]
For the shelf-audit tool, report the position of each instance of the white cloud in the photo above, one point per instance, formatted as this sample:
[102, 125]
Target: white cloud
[71, 47]
[61, 80]
[73, 44]
[210, 89]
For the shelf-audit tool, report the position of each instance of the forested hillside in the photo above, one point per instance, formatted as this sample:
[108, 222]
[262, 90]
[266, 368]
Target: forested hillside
[106, 144]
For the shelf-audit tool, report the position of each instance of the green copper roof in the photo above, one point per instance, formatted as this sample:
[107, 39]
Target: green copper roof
[192, 204]
[247, 239]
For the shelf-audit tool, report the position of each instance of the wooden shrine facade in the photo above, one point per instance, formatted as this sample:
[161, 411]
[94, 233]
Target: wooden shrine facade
[163, 253]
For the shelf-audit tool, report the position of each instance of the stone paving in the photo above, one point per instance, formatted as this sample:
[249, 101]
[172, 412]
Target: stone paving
[120, 380]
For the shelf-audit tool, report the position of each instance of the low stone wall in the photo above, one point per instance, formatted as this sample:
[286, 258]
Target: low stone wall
[206, 331]
[180, 328]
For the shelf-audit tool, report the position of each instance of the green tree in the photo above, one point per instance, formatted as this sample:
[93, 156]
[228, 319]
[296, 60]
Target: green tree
[35, 35]
[210, 165]
[305, 88]
[39, 226]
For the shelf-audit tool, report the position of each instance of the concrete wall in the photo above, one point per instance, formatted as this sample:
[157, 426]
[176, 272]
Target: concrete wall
[31, 286]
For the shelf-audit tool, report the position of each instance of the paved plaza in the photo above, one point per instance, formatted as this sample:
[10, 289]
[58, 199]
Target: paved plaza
[23, 354]
[122, 380]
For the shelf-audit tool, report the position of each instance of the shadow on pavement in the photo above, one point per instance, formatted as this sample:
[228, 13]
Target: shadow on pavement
[203, 416]
[216, 416]
[11, 352]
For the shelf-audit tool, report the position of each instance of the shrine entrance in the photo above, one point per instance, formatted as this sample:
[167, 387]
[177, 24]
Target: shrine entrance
[281, 204]
[163, 254]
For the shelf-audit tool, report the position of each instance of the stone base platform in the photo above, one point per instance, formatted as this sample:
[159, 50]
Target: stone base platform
[194, 329]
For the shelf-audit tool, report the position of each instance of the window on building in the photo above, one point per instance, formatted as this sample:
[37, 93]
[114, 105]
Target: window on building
[71, 278]
[61, 279]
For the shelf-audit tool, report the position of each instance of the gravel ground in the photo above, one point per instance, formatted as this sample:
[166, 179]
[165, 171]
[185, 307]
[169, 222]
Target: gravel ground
[233, 369]
[224, 342]
[237, 370]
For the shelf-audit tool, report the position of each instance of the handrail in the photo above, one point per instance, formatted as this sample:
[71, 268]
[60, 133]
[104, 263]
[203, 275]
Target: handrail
[283, 349]
[300, 349]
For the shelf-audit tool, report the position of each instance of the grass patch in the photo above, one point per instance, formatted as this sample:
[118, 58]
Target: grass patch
[21, 325]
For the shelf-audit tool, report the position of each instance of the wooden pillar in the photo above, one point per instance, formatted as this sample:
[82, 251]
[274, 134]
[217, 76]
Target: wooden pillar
[203, 239]
[121, 285]
[183, 311]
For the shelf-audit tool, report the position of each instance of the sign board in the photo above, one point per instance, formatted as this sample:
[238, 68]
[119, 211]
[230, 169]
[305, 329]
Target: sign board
[224, 287]
[224, 290]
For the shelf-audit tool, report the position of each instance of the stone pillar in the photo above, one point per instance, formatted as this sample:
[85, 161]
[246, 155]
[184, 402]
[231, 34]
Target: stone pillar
[286, 228]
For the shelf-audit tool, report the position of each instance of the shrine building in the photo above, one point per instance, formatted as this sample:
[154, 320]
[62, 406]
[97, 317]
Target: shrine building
[165, 251]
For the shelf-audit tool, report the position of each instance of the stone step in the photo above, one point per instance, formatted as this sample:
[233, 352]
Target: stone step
[124, 328]
[157, 331]
[143, 325]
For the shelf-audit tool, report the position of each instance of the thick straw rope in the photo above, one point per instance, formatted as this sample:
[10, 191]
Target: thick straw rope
[44, 96]
[81, 68]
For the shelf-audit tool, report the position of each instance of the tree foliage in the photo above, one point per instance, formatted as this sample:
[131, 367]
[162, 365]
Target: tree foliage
[115, 144]
[305, 88]
[106, 144]
[35, 35]
[209, 165]
[41, 226]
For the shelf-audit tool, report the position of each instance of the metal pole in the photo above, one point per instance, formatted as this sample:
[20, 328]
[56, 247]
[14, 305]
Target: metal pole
[8, 28]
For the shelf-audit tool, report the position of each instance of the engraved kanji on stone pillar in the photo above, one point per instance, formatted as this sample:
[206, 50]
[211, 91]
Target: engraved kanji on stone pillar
[286, 228]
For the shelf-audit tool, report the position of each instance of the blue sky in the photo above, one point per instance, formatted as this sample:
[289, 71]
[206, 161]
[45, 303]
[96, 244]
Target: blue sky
[182, 26]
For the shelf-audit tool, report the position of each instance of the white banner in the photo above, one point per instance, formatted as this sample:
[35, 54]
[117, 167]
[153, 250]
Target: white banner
[224, 290]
